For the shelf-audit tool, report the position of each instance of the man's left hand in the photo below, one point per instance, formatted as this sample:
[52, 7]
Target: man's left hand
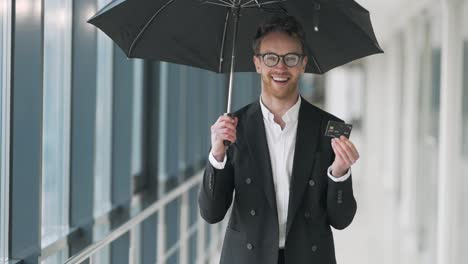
[345, 155]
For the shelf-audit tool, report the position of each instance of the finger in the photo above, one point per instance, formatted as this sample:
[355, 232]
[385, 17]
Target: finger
[338, 155]
[226, 131]
[227, 124]
[352, 154]
[217, 127]
[224, 121]
[228, 137]
[339, 149]
[225, 118]
[354, 151]
[352, 148]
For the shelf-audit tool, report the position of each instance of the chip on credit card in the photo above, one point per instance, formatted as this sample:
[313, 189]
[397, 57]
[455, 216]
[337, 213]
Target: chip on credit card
[337, 129]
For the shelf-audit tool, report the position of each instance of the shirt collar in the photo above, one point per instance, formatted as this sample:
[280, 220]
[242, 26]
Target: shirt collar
[290, 116]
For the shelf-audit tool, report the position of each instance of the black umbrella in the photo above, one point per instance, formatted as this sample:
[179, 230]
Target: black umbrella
[217, 34]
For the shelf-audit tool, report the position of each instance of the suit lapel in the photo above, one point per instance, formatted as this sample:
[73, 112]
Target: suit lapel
[258, 147]
[308, 129]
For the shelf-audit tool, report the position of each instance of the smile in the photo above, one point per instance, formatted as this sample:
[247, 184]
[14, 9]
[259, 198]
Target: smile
[280, 79]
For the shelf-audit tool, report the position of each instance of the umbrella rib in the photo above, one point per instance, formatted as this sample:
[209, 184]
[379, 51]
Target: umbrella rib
[221, 57]
[249, 4]
[273, 2]
[223, 3]
[219, 4]
[246, 3]
[316, 63]
[142, 31]
[256, 3]
[231, 3]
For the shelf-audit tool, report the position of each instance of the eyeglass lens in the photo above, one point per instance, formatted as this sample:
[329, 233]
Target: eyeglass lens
[271, 59]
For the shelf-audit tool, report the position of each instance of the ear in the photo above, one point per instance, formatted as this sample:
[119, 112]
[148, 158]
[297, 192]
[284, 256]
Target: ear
[257, 62]
[304, 63]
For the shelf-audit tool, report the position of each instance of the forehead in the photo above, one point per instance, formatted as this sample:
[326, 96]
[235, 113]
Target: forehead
[280, 43]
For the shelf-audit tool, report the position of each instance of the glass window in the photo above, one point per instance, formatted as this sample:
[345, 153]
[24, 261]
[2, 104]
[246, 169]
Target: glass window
[56, 119]
[5, 33]
[465, 88]
[464, 163]
[173, 123]
[103, 133]
[162, 126]
[429, 62]
[138, 79]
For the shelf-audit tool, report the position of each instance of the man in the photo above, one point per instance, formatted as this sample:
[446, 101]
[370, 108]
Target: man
[290, 182]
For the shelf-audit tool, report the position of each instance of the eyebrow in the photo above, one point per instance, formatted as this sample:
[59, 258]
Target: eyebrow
[266, 52]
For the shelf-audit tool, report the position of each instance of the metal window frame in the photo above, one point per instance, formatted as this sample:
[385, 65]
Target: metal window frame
[182, 192]
[5, 131]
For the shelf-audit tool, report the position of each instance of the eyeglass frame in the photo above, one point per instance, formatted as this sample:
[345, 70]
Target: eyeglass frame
[280, 58]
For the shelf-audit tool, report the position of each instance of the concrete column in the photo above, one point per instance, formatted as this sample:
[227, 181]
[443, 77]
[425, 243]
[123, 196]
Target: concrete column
[337, 87]
[409, 116]
[392, 147]
[449, 196]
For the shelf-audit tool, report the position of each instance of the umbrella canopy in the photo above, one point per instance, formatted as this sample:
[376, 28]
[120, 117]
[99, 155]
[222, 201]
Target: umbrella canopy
[200, 33]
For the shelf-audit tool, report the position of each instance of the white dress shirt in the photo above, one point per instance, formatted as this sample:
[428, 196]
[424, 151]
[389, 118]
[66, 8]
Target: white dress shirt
[281, 146]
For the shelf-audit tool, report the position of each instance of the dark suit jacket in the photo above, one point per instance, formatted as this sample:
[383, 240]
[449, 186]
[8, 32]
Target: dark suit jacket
[315, 202]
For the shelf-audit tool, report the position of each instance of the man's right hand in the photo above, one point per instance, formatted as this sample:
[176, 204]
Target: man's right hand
[223, 129]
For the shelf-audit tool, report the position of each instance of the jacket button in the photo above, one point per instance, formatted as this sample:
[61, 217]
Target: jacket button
[311, 182]
[340, 201]
[314, 248]
[252, 212]
[249, 246]
[248, 181]
[307, 214]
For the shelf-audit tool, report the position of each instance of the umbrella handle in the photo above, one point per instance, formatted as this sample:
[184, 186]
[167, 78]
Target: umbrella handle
[227, 143]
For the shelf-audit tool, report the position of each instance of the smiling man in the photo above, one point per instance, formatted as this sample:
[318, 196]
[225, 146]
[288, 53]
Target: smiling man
[288, 181]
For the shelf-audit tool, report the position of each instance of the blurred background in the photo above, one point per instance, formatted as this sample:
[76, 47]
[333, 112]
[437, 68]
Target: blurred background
[101, 156]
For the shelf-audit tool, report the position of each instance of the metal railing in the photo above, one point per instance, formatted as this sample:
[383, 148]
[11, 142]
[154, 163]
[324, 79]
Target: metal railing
[204, 252]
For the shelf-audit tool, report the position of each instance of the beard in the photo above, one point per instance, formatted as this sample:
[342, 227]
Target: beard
[279, 90]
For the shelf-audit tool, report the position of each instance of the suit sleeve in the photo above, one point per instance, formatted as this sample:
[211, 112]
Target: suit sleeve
[341, 204]
[216, 191]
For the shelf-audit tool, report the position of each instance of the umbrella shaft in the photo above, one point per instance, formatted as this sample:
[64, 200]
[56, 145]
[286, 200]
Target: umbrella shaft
[236, 12]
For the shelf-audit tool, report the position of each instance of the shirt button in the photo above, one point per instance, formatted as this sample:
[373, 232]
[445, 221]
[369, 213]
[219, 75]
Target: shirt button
[252, 212]
[248, 181]
[339, 201]
[311, 182]
[314, 248]
[249, 246]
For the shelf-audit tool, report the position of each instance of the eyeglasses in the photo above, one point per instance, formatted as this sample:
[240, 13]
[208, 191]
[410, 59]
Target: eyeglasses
[272, 59]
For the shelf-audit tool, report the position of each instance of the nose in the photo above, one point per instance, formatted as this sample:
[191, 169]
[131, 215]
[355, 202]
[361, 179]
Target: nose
[281, 64]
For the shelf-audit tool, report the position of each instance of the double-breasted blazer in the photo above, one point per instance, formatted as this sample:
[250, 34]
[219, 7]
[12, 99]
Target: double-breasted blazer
[315, 201]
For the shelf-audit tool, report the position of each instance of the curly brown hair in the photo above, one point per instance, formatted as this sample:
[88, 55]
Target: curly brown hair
[284, 23]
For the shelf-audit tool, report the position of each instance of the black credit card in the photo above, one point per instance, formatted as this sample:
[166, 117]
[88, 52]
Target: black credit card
[337, 129]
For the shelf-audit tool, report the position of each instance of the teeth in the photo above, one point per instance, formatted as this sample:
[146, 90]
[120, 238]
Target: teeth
[280, 79]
